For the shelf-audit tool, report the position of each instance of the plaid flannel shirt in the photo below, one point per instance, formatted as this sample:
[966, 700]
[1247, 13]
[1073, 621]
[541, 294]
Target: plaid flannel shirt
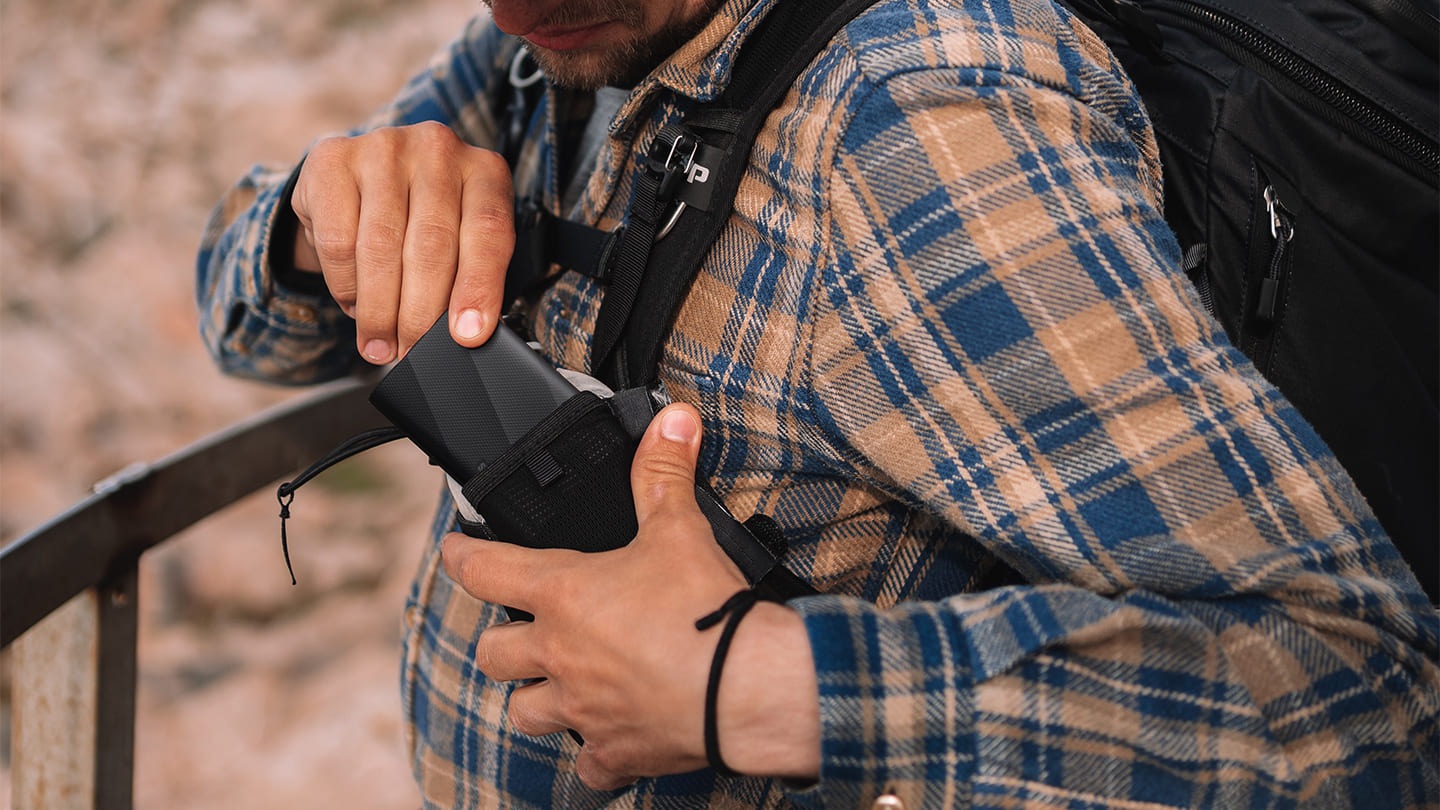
[1075, 551]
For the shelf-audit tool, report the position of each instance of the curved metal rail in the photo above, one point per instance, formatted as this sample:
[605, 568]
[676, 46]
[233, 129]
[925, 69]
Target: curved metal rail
[74, 685]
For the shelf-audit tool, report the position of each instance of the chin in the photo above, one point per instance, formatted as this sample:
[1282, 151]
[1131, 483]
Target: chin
[589, 70]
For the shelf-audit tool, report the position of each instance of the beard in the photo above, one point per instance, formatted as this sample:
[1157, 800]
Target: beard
[620, 63]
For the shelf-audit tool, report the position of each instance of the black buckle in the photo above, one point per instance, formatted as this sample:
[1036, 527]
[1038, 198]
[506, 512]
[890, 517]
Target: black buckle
[672, 168]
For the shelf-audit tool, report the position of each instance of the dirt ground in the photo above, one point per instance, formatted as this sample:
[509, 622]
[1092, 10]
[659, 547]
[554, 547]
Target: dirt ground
[121, 122]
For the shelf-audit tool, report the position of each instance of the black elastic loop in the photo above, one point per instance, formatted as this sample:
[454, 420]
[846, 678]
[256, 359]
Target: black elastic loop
[285, 493]
[354, 445]
[735, 609]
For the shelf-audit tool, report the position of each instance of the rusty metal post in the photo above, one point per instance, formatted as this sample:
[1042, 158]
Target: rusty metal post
[53, 735]
[73, 721]
[117, 675]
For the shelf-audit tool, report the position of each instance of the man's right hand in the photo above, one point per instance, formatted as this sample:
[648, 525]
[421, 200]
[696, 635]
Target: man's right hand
[407, 223]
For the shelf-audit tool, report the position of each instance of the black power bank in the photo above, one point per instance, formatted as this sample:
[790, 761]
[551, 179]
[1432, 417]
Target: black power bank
[464, 407]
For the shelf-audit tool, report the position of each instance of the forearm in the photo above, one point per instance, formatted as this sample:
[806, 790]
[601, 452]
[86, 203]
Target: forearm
[1062, 693]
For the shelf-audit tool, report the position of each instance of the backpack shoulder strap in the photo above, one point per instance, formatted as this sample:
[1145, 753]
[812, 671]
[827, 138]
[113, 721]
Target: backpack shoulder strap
[657, 261]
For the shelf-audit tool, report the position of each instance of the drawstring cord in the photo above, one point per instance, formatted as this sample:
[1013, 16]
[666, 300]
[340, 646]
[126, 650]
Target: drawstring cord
[354, 445]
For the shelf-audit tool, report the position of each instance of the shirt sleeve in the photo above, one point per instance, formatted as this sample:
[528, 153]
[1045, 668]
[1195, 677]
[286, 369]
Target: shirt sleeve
[255, 326]
[1212, 615]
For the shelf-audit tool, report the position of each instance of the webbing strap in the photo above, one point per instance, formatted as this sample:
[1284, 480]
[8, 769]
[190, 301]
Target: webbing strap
[785, 42]
[647, 204]
[665, 187]
[543, 239]
[641, 275]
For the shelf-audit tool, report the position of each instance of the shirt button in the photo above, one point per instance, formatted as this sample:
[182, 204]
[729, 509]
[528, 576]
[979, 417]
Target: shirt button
[889, 801]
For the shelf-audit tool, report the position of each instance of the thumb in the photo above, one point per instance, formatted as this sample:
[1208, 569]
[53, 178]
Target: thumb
[663, 473]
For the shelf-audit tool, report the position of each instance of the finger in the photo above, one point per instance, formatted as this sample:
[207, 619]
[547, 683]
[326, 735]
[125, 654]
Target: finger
[384, 208]
[487, 238]
[509, 652]
[326, 202]
[534, 710]
[430, 251]
[663, 473]
[595, 775]
[504, 573]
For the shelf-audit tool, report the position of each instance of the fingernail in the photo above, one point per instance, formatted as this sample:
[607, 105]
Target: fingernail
[678, 426]
[467, 325]
[377, 351]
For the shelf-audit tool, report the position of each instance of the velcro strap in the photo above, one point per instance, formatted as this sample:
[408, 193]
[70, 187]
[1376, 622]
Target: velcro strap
[544, 467]
[634, 408]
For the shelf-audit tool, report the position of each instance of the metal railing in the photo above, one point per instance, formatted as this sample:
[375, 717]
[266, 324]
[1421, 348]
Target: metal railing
[68, 600]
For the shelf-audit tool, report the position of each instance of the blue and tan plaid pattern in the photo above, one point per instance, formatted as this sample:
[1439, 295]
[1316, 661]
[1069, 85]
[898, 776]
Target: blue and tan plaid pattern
[1076, 552]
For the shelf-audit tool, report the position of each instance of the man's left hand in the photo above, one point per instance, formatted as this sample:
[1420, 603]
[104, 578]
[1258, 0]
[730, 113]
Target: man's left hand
[614, 635]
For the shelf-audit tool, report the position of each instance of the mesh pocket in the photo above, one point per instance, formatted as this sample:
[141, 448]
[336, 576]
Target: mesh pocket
[566, 484]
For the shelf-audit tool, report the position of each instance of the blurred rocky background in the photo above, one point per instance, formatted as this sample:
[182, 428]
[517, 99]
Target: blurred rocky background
[121, 123]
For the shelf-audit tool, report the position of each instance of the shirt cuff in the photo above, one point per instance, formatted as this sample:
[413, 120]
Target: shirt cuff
[284, 230]
[896, 704]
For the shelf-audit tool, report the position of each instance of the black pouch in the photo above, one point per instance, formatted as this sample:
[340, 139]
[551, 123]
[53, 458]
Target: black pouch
[558, 487]
[566, 484]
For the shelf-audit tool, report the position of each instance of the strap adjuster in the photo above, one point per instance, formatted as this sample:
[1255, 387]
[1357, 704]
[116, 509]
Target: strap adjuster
[677, 165]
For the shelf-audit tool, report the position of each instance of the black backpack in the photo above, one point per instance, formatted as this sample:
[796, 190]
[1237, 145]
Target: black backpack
[1301, 162]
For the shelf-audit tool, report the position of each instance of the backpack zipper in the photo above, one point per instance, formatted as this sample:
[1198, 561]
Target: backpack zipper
[1282, 230]
[1379, 122]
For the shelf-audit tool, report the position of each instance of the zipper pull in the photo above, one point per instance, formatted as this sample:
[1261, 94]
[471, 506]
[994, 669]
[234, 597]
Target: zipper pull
[1282, 230]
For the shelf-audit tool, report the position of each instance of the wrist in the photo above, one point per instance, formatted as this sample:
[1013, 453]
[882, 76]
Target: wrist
[293, 262]
[768, 716]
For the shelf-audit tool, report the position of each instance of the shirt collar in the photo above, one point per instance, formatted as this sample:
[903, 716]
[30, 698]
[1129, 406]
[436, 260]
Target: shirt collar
[701, 68]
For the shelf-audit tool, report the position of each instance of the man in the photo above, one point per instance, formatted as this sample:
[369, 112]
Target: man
[1073, 549]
